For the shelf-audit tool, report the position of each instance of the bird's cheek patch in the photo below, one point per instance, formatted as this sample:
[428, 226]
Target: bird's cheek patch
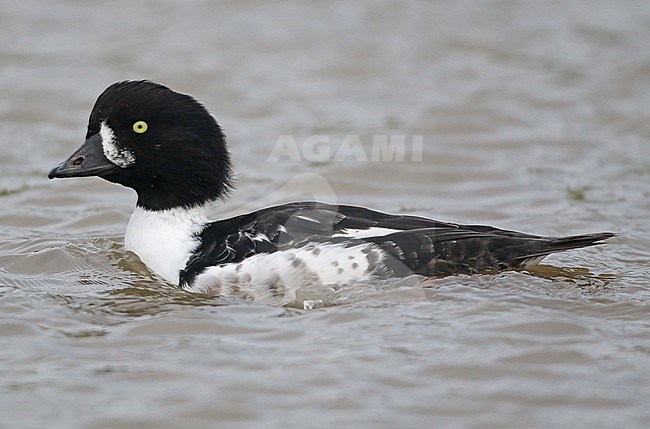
[120, 156]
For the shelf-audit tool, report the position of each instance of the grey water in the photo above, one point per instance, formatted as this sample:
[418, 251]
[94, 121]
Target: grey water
[534, 116]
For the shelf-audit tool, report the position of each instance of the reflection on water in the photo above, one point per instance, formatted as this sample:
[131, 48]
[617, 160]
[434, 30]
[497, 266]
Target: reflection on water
[577, 276]
[534, 117]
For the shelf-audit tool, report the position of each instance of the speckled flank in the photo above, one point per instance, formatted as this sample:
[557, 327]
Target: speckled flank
[274, 278]
[374, 258]
[119, 156]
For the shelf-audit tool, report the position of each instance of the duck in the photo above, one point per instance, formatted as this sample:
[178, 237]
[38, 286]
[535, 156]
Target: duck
[168, 148]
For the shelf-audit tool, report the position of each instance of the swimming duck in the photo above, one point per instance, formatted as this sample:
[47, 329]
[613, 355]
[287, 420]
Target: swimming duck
[169, 149]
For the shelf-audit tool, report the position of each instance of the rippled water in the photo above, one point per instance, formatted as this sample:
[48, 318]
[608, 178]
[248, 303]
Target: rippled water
[534, 116]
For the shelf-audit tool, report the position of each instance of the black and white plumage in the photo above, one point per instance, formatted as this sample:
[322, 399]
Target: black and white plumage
[171, 151]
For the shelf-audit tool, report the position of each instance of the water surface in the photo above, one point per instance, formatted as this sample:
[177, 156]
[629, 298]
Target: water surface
[534, 117]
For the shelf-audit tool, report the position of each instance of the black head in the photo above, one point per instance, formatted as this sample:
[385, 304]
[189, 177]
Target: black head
[163, 144]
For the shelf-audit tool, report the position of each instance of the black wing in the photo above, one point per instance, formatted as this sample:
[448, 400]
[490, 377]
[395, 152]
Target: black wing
[469, 249]
[286, 226]
[417, 245]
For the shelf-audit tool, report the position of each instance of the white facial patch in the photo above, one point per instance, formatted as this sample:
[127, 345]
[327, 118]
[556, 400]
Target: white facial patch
[121, 157]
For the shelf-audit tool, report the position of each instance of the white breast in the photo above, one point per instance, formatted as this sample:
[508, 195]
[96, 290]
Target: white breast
[164, 240]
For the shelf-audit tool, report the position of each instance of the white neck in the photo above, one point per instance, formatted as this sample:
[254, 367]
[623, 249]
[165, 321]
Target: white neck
[164, 240]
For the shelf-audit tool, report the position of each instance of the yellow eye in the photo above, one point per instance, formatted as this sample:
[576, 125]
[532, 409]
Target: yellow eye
[140, 127]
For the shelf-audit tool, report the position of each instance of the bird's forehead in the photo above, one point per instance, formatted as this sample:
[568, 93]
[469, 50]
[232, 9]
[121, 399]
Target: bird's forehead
[120, 110]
